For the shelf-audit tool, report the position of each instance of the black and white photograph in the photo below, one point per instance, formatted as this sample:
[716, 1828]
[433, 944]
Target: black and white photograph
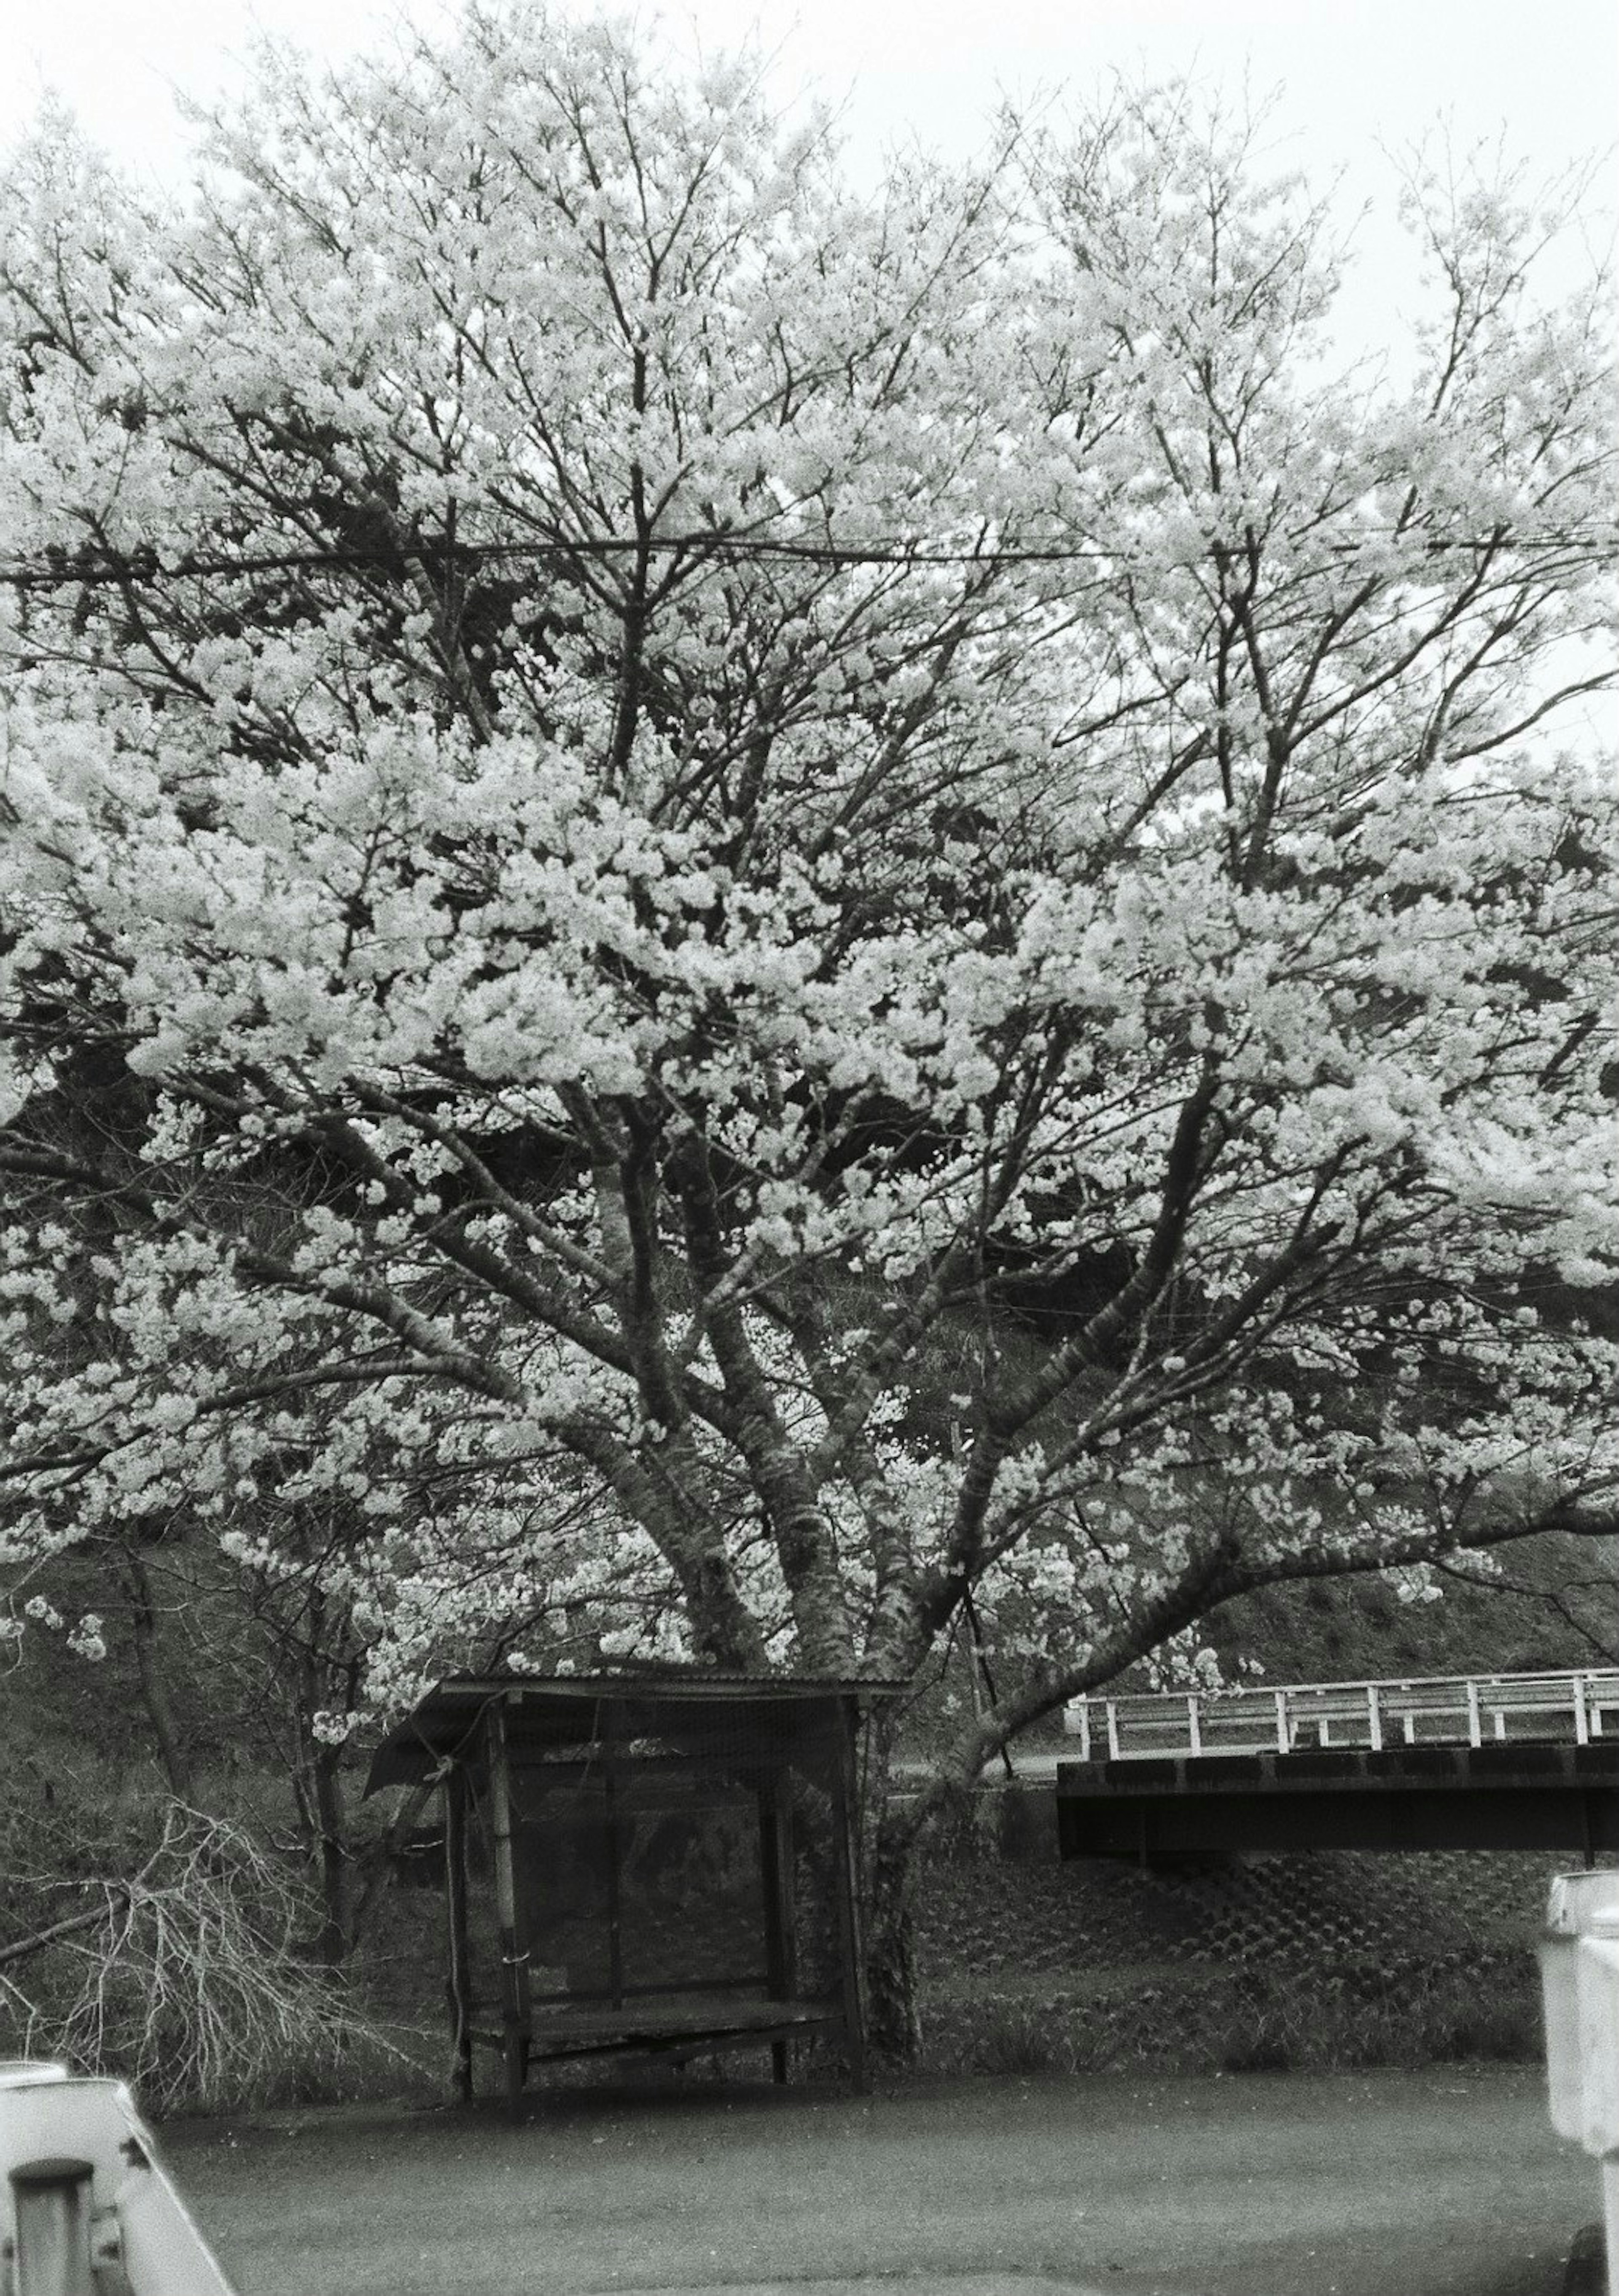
[809, 1148]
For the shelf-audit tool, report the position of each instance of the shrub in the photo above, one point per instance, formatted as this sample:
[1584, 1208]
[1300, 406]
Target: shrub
[183, 1981]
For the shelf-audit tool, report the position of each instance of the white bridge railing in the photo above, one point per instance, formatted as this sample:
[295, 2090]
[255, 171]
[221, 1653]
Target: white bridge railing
[1474, 1709]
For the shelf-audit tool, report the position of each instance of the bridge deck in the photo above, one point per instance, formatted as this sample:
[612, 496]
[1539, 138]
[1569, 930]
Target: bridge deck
[1512, 1797]
[1575, 1708]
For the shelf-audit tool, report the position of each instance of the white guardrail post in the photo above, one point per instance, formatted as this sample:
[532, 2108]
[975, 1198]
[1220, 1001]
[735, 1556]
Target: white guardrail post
[1580, 1986]
[82, 2191]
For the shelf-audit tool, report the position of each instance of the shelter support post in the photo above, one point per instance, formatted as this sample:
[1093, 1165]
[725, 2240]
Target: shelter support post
[515, 2020]
[846, 1819]
[614, 1864]
[455, 1892]
[776, 1866]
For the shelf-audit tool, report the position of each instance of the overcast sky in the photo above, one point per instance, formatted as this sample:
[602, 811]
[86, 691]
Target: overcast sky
[1547, 70]
[1352, 74]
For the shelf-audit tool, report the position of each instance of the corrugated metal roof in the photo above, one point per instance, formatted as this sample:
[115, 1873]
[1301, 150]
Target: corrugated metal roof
[546, 1709]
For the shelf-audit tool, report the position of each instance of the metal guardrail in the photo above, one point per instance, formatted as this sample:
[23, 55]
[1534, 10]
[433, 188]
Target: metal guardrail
[1437, 1710]
[85, 2205]
[1579, 1988]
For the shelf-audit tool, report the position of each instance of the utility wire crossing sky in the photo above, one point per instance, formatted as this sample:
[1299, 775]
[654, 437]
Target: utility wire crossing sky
[102, 567]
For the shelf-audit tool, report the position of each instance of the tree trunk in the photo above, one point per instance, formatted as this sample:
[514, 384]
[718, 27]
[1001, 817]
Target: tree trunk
[333, 1943]
[154, 1689]
[890, 1835]
[893, 2015]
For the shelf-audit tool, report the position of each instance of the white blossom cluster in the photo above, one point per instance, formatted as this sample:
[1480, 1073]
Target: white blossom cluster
[728, 907]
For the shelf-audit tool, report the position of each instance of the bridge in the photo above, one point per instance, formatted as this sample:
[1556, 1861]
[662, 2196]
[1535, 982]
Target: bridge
[1503, 1761]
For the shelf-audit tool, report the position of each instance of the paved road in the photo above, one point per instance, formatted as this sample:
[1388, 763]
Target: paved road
[1446, 2183]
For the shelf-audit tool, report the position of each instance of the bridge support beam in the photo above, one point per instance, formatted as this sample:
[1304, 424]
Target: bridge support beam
[1401, 1799]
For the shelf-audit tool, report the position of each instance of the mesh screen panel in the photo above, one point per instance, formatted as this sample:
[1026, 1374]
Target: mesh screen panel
[645, 1879]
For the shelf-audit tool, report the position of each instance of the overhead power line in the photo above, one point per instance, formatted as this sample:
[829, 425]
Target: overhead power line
[98, 568]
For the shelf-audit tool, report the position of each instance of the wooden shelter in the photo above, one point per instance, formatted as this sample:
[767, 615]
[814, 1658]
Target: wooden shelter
[660, 1861]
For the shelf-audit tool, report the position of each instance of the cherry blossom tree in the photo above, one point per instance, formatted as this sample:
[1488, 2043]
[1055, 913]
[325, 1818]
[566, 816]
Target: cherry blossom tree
[733, 910]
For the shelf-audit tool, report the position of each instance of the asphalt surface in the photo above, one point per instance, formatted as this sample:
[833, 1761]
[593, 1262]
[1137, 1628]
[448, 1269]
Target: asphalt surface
[1444, 2183]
